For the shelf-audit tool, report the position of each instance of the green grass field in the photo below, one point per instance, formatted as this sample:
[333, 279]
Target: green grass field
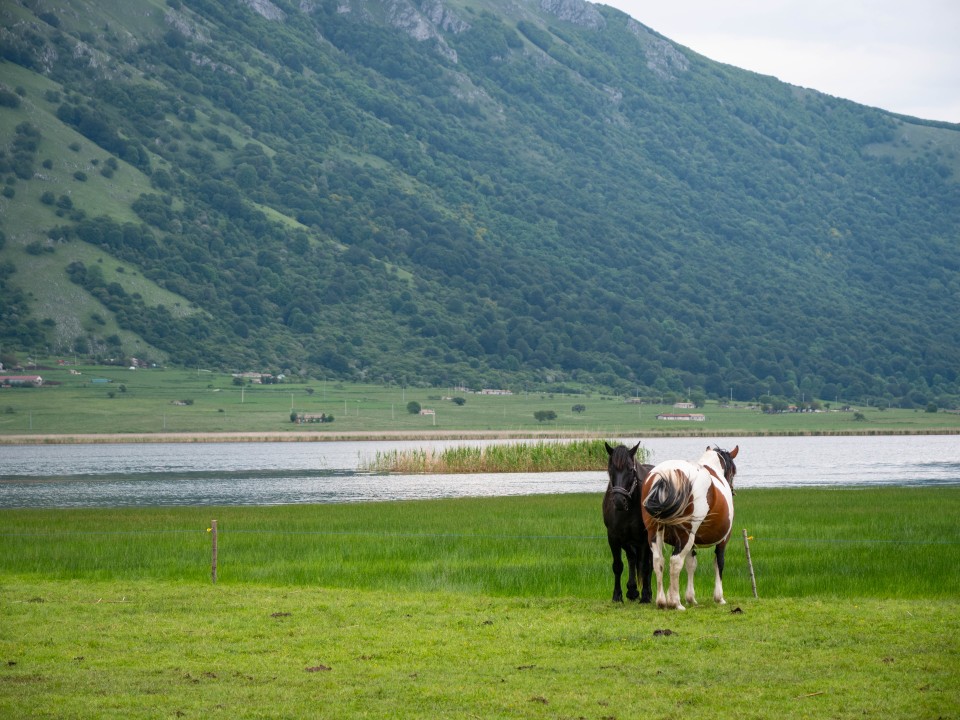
[148, 402]
[471, 608]
[886, 542]
[167, 650]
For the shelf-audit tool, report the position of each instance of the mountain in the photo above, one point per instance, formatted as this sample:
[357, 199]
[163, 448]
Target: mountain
[485, 192]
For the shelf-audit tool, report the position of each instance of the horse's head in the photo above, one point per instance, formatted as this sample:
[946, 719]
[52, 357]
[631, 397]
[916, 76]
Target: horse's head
[726, 462]
[624, 478]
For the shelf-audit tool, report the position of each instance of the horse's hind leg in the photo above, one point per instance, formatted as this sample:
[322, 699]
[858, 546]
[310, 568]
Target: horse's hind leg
[656, 550]
[677, 561]
[718, 559]
[690, 595]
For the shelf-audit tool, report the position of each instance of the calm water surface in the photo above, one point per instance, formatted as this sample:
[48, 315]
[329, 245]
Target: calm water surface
[123, 475]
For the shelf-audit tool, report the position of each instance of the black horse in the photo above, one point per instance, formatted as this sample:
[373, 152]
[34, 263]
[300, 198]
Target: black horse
[625, 529]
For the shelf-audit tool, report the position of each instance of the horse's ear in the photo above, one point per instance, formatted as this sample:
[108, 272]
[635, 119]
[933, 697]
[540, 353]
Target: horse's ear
[607, 446]
[633, 450]
[733, 453]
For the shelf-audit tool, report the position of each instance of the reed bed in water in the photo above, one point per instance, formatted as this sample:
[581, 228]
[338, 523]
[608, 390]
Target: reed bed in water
[540, 456]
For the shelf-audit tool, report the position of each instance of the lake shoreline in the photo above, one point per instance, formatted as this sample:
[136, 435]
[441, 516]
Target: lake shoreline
[356, 436]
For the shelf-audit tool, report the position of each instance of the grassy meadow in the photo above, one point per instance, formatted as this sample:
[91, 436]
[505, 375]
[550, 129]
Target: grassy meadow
[151, 402]
[494, 607]
[839, 543]
[486, 607]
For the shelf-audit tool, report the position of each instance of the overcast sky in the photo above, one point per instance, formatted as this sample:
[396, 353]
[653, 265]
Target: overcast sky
[899, 55]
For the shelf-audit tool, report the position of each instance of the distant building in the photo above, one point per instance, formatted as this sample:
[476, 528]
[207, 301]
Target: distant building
[20, 381]
[684, 405]
[491, 391]
[683, 417]
[256, 378]
[308, 418]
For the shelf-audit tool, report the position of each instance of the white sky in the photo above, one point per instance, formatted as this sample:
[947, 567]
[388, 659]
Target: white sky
[899, 55]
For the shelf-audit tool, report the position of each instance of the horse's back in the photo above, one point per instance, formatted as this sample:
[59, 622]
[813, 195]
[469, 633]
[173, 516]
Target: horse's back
[708, 504]
[666, 492]
[668, 466]
[643, 471]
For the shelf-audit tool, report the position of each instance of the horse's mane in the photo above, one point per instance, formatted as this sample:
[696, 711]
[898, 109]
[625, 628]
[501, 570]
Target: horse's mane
[620, 458]
[726, 460]
[668, 496]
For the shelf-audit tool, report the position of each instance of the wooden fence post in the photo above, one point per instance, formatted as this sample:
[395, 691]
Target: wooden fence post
[213, 540]
[753, 579]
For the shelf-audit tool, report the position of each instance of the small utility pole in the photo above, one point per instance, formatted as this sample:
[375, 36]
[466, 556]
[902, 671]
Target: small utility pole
[753, 579]
[213, 559]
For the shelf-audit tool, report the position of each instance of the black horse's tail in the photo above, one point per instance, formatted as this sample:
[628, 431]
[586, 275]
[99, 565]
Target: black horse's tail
[668, 496]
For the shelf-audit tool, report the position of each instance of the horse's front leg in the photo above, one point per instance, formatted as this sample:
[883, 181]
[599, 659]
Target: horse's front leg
[690, 596]
[631, 550]
[617, 569]
[656, 551]
[718, 559]
[645, 569]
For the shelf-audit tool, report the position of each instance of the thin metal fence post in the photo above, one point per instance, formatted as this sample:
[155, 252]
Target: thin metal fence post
[753, 579]
[213, 560]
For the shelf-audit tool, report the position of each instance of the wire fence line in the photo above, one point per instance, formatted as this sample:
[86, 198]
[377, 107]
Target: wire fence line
[444, 535]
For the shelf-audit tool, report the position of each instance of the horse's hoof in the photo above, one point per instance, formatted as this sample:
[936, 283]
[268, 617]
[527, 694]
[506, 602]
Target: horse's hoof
[633, 595]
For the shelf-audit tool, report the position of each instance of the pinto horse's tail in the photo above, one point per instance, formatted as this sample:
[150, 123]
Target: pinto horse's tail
[669, 495]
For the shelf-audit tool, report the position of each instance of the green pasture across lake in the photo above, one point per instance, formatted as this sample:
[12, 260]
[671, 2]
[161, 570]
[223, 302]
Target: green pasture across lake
[154, 401]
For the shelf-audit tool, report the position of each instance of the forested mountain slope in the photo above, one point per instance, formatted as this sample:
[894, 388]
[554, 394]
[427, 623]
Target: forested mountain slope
[464, 191]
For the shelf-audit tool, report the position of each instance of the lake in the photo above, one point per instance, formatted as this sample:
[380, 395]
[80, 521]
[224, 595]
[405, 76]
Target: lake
[127, 475]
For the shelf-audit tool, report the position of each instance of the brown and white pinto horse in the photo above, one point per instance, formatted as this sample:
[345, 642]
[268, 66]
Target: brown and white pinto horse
[689, 505]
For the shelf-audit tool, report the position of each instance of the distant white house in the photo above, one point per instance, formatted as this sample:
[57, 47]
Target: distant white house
[427, 411]
[684, 405]
[683, 417]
